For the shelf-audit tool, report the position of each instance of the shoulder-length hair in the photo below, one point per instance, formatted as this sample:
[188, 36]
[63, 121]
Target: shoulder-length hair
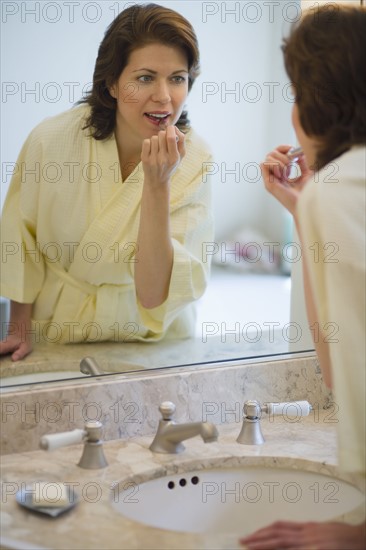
[325, 60]
[136, 27]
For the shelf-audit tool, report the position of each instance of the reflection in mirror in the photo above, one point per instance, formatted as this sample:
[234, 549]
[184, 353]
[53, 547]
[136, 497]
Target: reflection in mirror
[241, 105]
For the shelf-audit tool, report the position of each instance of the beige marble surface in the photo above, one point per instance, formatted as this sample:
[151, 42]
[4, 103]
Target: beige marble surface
[128, 404]
[308, 444]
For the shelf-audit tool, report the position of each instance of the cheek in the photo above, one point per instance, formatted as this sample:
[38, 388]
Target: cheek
[129, 94]
[180, 96]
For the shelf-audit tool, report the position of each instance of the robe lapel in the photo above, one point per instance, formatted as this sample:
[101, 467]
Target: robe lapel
[119, 207]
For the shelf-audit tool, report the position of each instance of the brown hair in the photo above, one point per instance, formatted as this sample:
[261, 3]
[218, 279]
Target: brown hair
[136, 27]
[325, 60]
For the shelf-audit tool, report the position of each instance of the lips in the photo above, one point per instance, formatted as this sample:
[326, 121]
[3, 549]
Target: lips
[157, 117]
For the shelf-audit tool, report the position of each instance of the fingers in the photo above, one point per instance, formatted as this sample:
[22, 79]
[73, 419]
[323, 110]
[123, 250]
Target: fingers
[278, 167]
[152, 146]
[16, 346]
[273, 176]
[305, 536]
[171, 141]
[181, 144]
[8, 346]
[161, 154]
[284, 149]
[182, 148]
[145, 151]
[155, 145]
[278, 535]
[23, 350]
[278, 162]
[306, 171]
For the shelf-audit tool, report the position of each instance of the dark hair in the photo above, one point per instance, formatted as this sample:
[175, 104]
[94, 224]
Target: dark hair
[325, 58]
[136, 27]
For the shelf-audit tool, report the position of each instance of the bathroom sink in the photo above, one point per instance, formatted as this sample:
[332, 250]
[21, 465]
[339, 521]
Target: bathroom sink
[234, 500]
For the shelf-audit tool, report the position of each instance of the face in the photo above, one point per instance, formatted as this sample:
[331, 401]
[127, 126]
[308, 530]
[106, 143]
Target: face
[307, 143]
[152, 88]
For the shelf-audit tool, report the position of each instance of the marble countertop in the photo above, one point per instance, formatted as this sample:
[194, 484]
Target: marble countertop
[56, 361]
[93, 523]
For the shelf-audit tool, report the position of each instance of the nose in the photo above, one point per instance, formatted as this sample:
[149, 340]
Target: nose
[161, 93]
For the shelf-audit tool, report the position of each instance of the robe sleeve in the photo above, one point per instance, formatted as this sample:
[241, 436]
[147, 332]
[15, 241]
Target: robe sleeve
[22, 268]
[191, 228]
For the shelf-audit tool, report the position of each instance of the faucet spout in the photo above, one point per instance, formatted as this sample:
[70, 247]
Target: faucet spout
[176, 433]
[88, 365]
[170, 435]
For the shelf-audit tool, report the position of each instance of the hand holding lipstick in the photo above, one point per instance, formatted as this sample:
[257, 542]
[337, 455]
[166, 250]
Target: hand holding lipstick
[162, 154]
[163, 126]
[276, 171]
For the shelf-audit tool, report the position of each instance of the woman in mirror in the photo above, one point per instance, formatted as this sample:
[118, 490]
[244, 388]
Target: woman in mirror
[325, 61]
[109, 204]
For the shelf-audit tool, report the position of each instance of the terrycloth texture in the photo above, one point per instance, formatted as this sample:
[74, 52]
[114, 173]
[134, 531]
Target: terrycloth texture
[332, 219]
[69, 233]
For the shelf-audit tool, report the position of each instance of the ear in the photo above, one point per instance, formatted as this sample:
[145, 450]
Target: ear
[113, 90]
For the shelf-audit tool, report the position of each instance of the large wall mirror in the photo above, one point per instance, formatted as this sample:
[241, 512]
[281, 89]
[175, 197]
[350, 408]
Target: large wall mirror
[241, 105]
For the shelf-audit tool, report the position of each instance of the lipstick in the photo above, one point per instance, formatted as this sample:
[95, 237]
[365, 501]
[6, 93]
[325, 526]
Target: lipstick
[294, 153]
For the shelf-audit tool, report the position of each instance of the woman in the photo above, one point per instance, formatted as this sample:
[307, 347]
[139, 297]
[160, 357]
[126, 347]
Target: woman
[105, 241]
[325, 60]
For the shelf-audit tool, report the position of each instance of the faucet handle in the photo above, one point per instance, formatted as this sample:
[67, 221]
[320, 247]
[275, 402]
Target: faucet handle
[251, 433]
[94, 430]
[167, 409]
[252, 409]
[50, 442]
[93, 455]
[288, 408]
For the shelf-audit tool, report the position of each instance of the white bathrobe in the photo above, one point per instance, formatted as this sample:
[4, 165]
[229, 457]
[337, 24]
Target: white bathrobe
[332, 218]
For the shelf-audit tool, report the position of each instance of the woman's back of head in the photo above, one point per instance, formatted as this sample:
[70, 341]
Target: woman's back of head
[325, 58]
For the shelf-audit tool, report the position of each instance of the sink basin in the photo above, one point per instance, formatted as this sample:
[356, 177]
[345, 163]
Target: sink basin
[234, 500]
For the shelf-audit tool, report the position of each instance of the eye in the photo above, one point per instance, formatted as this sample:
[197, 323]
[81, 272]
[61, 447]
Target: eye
[178, 79]
[145, 78]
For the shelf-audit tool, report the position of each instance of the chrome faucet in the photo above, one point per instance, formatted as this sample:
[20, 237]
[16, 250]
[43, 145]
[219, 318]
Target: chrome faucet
[88, 365]
[170, 435]
[251, 433]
